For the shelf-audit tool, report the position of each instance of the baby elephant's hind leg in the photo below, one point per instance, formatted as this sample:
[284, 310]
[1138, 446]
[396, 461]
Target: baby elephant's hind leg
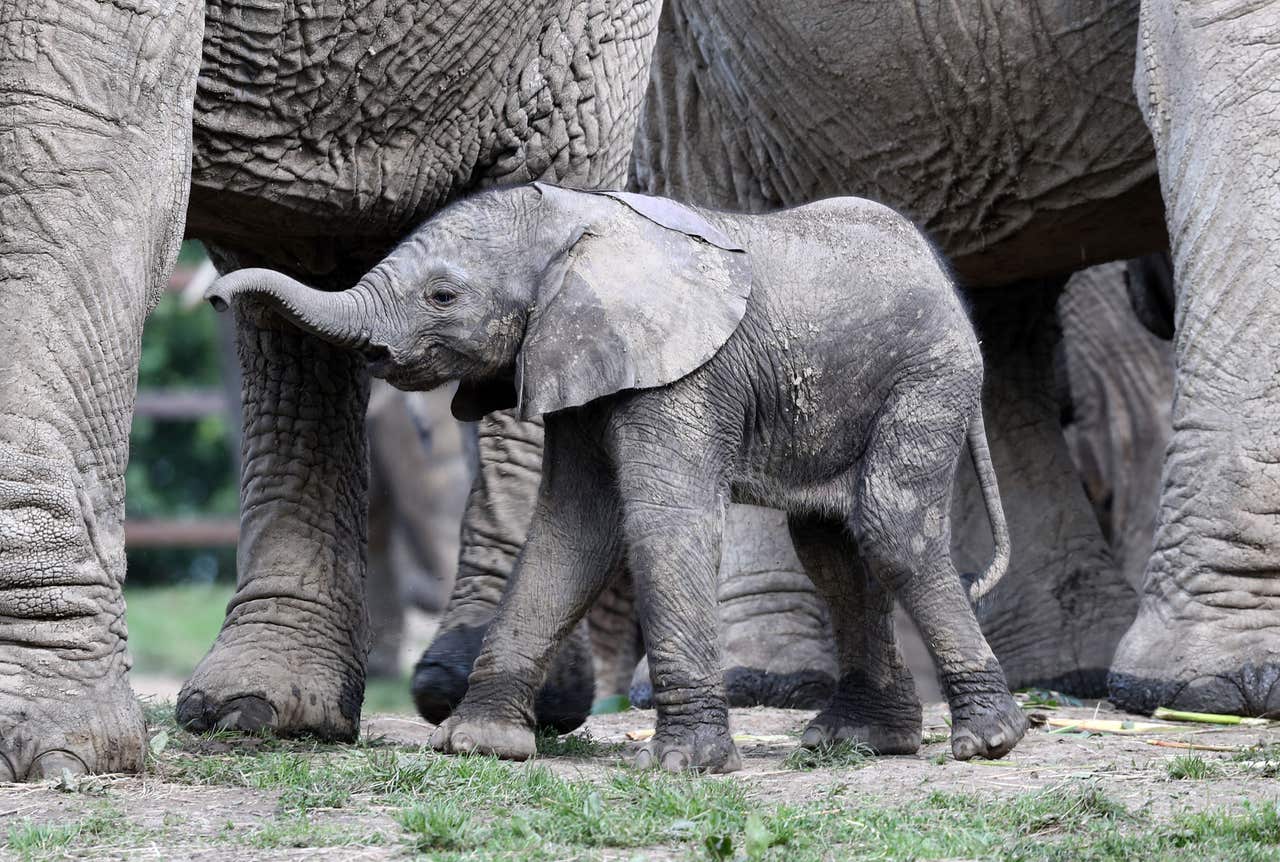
[875, 700]
[901, 529]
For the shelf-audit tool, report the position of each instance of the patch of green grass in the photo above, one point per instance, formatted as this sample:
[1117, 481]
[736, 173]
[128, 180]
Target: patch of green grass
[436, 826]
[31, 840]
[837, 755]
[1191, 767]
[171, 628]
[552, 744]
[389, 695]
[299, 831]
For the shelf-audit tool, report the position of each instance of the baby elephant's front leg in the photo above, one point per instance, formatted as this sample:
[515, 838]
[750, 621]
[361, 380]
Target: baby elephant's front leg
[568, 558]
[673, 549]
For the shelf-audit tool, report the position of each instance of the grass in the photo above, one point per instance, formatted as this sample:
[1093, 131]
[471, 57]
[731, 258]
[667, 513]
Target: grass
[839, 755]
[1192, 767]
[581, 745]
[418, 803]
[480, 808]
[454, 808]
[171, 628]
[28, 839]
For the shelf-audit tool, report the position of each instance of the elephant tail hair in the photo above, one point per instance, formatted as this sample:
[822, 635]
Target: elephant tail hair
[981, 454]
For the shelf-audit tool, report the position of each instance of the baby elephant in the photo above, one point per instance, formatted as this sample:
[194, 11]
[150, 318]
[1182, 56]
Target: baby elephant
[817, 360]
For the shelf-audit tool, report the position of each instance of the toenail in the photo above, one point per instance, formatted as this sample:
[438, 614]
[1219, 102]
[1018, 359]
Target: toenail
[675, 761]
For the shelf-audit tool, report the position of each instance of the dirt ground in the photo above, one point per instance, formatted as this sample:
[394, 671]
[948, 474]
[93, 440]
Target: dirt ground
[1128, 768]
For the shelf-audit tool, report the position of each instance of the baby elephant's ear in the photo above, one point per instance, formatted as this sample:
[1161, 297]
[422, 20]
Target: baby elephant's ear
[648, 294]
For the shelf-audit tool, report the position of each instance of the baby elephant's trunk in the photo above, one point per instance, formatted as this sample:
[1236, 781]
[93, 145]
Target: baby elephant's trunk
[342, 318]
[981, 454]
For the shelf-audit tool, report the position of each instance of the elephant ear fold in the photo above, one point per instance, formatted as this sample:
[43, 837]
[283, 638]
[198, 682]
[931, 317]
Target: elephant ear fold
[648, 293]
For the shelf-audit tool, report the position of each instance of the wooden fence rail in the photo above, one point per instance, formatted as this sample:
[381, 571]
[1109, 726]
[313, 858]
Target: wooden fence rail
[181, 404]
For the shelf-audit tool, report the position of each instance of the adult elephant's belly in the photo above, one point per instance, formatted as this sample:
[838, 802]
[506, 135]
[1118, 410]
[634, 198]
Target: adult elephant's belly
[332, 135]
[1009, 130]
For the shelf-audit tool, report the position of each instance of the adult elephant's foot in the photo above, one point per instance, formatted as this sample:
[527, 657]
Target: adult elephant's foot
[699, 747]
[476, 734]
[261, 679]
[786, 683]
[563, 703]
[291, 654]
[886, 720]
[985, 724]
[57, 722]
[1229, 667]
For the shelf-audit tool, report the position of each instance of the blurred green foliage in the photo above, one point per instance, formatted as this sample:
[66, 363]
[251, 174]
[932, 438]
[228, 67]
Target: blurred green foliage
[180, 468]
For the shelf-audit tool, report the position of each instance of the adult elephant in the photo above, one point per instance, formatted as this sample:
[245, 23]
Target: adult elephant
[322, 131]
[1031, 140]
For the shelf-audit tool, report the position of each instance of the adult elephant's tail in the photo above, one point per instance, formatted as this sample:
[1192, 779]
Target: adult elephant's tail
[981, 454]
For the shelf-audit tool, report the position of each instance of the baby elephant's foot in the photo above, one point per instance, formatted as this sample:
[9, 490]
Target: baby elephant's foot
[509, 740]
[986, 725]
[704, 748]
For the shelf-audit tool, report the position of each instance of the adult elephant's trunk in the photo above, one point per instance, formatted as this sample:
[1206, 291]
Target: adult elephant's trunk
[343, 318]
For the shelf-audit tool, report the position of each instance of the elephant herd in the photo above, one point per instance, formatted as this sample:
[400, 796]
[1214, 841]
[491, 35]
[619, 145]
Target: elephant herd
[1131, 408]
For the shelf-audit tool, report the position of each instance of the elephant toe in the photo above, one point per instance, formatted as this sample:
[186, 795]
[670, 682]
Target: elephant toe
[500, 738]
[92, 729]
[1178, 664]
[706, 748]
[53, 764]
[1251, 690]
[248, 713]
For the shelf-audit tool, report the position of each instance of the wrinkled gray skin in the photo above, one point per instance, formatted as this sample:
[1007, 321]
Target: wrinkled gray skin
[842, 389]
[419, 473]
[1118, 390]
[314, 136]
[1031, 139]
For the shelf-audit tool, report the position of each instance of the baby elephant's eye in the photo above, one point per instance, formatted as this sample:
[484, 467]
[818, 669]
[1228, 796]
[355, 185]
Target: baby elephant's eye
[442, 295]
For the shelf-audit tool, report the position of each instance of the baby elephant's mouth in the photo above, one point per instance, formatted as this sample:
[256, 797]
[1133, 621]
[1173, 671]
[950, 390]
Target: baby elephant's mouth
[379, 359]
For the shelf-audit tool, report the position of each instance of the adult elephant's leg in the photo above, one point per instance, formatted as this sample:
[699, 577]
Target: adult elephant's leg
[775, 631]
[1119, 381]
[616, 644]
[493, 532]
[1207, 636]
[291, 653]
[386, 611]
[1056, 617]
[95, 143]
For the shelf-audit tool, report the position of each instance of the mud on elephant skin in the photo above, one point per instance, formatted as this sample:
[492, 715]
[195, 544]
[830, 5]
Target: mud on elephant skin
[673, 369]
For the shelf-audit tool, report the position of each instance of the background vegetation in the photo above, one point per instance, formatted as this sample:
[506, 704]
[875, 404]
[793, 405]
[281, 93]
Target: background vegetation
[181, 468]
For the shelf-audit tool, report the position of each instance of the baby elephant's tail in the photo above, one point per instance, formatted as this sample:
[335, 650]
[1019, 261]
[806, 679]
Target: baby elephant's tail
[981, 455]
